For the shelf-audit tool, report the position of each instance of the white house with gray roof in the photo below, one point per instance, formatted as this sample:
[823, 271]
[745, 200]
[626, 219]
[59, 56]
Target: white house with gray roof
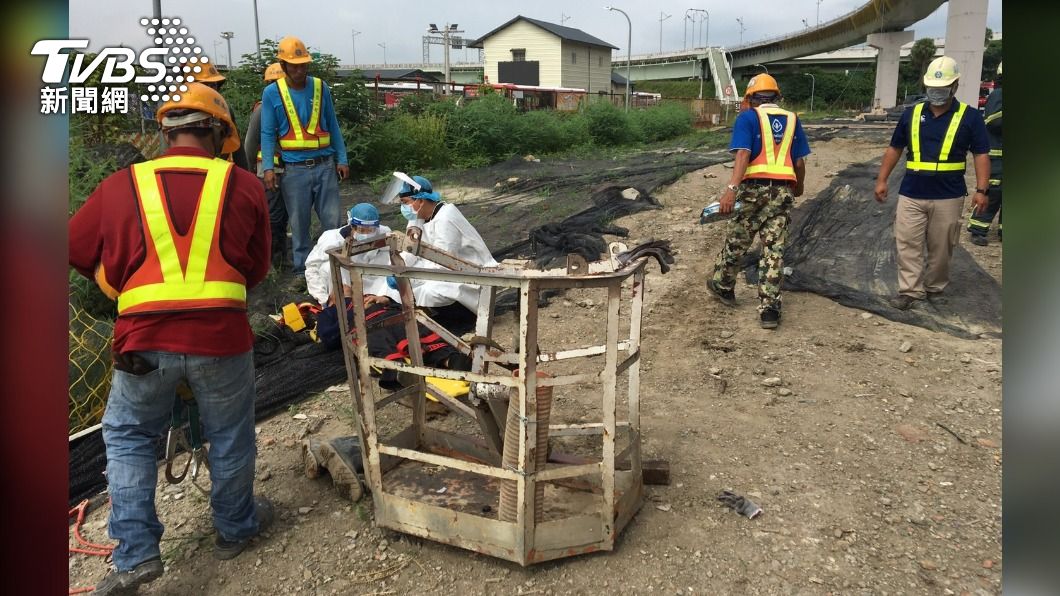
[527, 51]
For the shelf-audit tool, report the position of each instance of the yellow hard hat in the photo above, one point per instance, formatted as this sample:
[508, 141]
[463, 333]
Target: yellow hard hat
[292, 50]
[942, 72]
[208, 103]
[209, 74]
[761, 83]
[274, 72]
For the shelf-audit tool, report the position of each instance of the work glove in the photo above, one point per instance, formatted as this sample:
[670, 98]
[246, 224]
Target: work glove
[742, 505]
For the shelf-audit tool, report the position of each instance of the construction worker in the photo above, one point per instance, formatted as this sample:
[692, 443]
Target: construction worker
[363, 225]
[277, 208]
[178, 241]
[212, 78]
[938, 134]
[979, 224]
[770, 148]
[297, 112]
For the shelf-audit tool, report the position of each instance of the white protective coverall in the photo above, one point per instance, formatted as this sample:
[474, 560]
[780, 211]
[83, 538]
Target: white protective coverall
[318, 266]
[450, 231]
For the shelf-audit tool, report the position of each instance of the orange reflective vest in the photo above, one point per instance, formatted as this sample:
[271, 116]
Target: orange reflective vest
[313, 136]
[182, 272]
[916, 163]
[774, 161]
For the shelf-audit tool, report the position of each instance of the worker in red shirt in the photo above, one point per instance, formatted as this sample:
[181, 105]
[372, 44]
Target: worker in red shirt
[178, 241]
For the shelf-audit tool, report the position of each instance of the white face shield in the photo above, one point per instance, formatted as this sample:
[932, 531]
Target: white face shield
[390, 193]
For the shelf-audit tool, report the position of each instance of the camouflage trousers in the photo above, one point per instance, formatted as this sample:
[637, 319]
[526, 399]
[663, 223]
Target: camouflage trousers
[766, 212]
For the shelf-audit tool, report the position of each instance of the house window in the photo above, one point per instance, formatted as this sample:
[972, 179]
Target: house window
[574, 57]
[519, 55]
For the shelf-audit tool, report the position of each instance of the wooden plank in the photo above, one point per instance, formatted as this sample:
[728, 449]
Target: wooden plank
[609, 381]
[449, 462]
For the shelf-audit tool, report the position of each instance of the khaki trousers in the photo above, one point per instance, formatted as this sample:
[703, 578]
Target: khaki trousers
[926, 226]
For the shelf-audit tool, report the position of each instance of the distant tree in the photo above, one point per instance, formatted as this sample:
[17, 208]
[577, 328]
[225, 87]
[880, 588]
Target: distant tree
[989, 37]
[922, 53]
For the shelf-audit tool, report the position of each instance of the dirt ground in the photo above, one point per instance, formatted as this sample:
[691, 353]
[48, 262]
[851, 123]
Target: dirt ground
[864, 491]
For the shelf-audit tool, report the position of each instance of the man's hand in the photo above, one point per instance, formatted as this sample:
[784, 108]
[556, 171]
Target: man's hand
[881, 191]
[979, 202]
[270, 180]
[727, 200]
[343, 171]
[370, 299]
[799, 188]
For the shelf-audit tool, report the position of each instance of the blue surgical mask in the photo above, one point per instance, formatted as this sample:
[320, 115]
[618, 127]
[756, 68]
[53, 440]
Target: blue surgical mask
[938, 95]
[409, 212]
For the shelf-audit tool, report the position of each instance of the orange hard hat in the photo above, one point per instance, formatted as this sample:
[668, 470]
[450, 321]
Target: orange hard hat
[209, 74]
[199, 106]
[761, 83]
[274, 72]
[291, 49]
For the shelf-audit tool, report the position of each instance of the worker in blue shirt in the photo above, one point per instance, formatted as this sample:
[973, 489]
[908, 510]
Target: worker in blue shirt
[979, 224]
[938, 134]
[770, 148]
[297, 112]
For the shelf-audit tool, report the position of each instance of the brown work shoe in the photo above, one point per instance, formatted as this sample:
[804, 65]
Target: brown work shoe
[902, 302]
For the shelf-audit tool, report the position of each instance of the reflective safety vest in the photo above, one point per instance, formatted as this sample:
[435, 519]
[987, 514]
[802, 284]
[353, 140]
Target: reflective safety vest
[916, 164]
[312, 136]
[182, 272]
[773, 161]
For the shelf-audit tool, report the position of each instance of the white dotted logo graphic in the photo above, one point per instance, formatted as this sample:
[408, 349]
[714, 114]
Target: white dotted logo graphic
[169, 34]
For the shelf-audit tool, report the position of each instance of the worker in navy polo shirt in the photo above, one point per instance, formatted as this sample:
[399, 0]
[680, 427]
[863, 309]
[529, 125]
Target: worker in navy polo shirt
[938, 135]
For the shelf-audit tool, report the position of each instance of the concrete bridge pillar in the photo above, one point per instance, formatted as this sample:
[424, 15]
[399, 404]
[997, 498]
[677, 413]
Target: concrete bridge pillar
[889, 46]
[965, 41]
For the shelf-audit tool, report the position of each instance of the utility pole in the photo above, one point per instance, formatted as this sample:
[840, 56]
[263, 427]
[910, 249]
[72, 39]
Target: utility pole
[629, 48]
[228, 35]
[257, 33]
[819, 12]
[662, 17]
[354, 37]
[742, 28]
[445, 32]
[383, 45]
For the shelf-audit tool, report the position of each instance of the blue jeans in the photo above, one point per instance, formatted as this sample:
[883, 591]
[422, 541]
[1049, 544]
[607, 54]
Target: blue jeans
[304, 188]
[138, 411]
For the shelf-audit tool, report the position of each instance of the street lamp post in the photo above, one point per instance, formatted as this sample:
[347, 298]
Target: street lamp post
[705, 30]
[662, 17]
[354, 39]
[228, 35]
[383, 45]
[686, 19]
[742, 28]
[813, 83]
[819, 12]
[763, 67]
[446, 32]
[629, 50]
[257, 33]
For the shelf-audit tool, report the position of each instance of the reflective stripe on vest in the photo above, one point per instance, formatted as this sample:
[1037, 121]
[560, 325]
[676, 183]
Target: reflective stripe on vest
[279, 158]
[161, 283]
[992, 117]
[773, 162]
[916, 164]
[996, 153]
[298, 138]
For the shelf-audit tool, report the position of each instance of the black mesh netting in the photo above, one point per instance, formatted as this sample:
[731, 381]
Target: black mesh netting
[841, 245]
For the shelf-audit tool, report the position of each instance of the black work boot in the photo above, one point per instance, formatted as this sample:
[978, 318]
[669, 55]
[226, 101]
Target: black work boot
[120, 583]
[979, 239]
[727, 297]
[770, 318]
[229, 549]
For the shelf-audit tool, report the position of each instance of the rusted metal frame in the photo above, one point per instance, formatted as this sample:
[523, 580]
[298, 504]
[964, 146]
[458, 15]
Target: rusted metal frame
[441, 373]
[633, 384]
[558, 534]
[579, 430]
[443, 258]
[492, 414]
[609, 381]
[412, 335]
[407, 438]
[353, 248]
[569, 380]
[448, 462]
[446, 335]
[451, 402]
[527, 395]
[623, 456]
[357, 358]
[465, 530]
[439, 439]
[578, 353]
[628, 362]
[393, 397]
[559, 472]
[494, 279]
[630, 503]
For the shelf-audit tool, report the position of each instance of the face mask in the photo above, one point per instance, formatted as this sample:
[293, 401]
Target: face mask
[938, 95]
[361, 237]
[409, 212]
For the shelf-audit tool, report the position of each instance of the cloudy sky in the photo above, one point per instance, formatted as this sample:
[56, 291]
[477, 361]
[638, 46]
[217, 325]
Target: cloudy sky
[328, 26]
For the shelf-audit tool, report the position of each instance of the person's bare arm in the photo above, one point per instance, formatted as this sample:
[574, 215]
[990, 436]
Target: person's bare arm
[890, 159]
[982, 180]
[800, 176]
[739, 167]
